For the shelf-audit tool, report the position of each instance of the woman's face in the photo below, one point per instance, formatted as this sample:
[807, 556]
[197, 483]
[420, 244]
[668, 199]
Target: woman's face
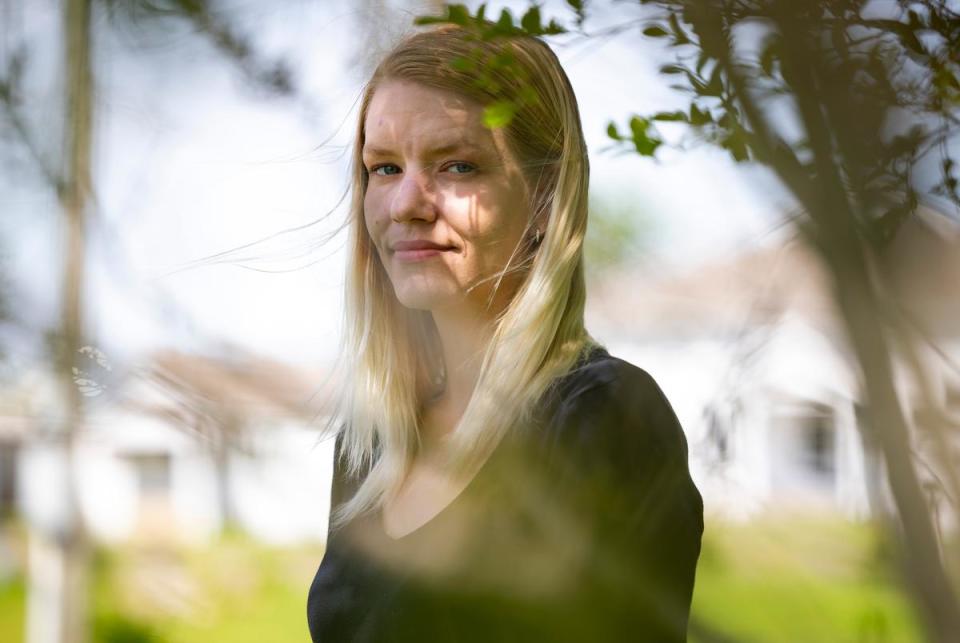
[446, 203]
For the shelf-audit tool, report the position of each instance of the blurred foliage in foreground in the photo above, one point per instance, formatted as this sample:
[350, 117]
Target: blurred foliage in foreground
[790, 580]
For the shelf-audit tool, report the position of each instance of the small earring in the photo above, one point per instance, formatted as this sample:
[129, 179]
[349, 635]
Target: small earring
[536, 237]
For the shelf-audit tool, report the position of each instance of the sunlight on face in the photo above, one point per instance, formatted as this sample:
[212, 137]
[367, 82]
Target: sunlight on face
[446, 204]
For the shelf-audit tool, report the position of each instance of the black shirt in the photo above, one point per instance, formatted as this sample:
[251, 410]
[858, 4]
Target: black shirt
[585, 526]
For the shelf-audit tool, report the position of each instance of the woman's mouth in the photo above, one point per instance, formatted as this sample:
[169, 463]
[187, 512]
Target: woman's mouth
[418, 250]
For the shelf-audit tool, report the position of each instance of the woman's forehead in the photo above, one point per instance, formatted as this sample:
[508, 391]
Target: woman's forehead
[435, 120]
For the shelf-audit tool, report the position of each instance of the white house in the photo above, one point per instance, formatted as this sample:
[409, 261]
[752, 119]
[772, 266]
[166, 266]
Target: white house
[178, 449]
[751, 354]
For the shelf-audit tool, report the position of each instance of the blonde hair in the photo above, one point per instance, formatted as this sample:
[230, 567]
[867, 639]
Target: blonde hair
[391, 354]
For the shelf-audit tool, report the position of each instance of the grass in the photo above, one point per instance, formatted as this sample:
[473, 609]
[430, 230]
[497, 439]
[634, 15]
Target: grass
[803, 580]
[236, 591]
[12, 604]
[797, 581]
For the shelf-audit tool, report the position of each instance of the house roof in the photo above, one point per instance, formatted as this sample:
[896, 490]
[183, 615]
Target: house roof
[242, 386]
[763, 284]
[718, 297]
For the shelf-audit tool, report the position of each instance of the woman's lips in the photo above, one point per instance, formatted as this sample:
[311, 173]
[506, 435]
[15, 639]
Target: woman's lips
[409, 251]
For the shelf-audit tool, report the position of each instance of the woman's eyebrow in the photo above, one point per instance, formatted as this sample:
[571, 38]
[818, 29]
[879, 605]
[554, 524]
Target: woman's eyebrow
[434, 150]
[457, 146]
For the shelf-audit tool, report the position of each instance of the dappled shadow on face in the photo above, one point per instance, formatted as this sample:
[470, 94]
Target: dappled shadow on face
[482, 214]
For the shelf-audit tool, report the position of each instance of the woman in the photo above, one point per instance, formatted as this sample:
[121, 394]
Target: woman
[498, 475]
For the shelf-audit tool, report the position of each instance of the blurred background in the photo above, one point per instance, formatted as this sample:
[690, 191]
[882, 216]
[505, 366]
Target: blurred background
[172, 176]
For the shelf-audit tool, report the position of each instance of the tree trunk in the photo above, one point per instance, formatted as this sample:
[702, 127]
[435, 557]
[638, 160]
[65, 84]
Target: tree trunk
[922, 563]
[60, 569]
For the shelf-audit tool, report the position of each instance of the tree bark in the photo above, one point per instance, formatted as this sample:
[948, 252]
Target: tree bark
[60, 614]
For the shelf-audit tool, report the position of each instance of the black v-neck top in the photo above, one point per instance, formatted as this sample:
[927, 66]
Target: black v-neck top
[585, 526]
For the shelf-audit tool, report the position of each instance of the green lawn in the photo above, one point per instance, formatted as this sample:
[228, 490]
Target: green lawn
[796, 581]
[803, 580]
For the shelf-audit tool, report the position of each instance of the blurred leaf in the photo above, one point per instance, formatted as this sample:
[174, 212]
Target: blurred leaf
[655, 31]
[671, 116]
[736, 144]
[506, 21]
[715, 86]
[457, 14]
[578, 8]
[673, 68]
[698, 117]
[461, 63]
[643, 142]
[531, 20]
[499, 114]
[680, 36]
[702, 60]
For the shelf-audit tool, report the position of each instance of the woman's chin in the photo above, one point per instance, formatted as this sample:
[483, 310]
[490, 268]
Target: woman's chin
[420, 298]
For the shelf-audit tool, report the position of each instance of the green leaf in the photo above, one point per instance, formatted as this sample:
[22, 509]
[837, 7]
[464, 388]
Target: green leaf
[531, 21]
[499, 114]
[430, 20]
[553, 28]
[655, 31]
[612, 132]
[461, 63]
[715, 85]
[642, 141]
[671, 116]
[698, 117]
[673, 69]
[737, 146]
[702, 61]
[639, 125]
[506, 21]
[680, 36]
[646, 146]
[458, 14]
[527, 95]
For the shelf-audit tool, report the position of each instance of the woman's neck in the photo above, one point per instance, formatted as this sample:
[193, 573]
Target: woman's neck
[464, 337]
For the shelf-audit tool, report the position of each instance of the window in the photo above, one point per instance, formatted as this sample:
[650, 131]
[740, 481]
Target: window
[8, 479]
[153, 473]
[803, 443]
[818, 441]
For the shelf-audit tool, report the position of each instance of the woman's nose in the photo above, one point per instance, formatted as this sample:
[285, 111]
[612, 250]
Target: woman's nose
[414, 199]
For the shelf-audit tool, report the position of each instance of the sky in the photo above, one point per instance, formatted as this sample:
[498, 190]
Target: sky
[190, 162]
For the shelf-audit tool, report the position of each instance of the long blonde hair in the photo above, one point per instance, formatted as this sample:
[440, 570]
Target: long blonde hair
[391, 356]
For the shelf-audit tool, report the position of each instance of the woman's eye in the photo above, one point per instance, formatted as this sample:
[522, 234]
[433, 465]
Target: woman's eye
[460, 168]
[385, 170]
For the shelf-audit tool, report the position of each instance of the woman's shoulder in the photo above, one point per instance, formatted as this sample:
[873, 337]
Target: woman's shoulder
[599, 371]
[605, 401]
